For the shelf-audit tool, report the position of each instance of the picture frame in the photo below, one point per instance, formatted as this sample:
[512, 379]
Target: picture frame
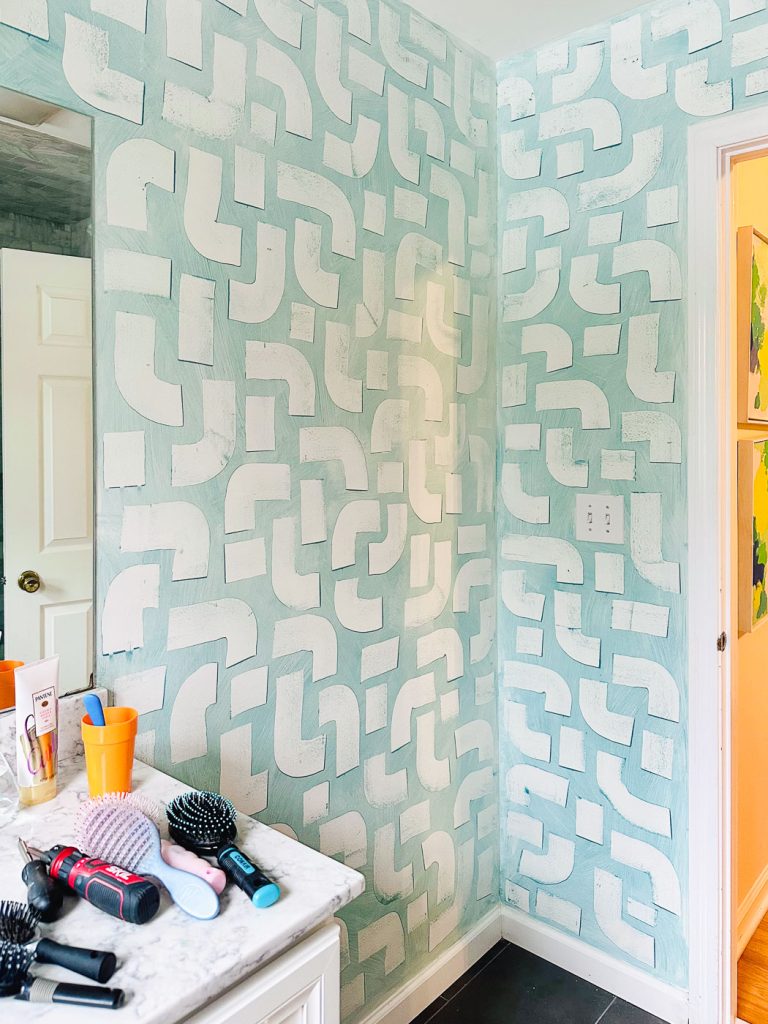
[752, 325]
[752, 517]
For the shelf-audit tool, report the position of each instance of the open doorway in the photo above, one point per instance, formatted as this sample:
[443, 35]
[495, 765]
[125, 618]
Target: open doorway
[718, 871]
[748, 422]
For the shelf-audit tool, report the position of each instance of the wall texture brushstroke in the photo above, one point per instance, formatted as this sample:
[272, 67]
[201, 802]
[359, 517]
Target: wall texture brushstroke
[295, 306]
[592, 360]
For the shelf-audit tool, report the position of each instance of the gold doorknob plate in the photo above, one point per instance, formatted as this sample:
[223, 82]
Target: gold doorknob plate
[29, 581]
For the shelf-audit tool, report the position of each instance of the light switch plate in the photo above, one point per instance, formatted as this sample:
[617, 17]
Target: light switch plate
[600, 518]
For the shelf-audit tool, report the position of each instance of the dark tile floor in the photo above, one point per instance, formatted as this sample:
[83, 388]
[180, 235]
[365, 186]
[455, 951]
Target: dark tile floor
[510, 986]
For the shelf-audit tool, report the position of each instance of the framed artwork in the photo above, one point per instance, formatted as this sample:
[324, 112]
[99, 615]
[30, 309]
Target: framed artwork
[753, 534]
[752, 326]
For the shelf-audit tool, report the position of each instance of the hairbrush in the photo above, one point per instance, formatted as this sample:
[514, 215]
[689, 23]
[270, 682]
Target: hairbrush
[15, 980]
[171, 853]
[118, 832]
[207, 824]
[18, 925]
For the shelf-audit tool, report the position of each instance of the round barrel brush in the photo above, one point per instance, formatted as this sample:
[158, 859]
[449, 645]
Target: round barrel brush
[15, 980]
[121, 834]
[18, 925]
[206, 823]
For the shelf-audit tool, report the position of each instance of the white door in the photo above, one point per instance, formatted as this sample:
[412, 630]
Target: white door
[47, 439]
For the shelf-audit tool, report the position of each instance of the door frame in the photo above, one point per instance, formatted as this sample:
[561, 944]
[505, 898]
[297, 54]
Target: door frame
[711, 148]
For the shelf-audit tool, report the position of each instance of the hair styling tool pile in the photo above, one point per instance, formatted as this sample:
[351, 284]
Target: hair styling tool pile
[120, 833]
[173, 854]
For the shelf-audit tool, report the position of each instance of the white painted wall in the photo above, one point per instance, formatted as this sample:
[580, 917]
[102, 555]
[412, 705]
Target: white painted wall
[502, 28]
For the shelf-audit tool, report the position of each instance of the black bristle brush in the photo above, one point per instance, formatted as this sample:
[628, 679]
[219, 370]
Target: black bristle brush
[15, 961]
[18, 926]
[206, 823]
[15, 980]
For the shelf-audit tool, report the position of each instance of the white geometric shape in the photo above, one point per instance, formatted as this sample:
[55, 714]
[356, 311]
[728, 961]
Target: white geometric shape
[589, 821]
[593, 702]
[642, 813]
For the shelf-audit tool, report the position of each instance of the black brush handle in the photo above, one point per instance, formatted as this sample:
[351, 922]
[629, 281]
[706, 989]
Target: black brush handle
[43, 892]
[42, 990]
[259, 889]
[95, 964]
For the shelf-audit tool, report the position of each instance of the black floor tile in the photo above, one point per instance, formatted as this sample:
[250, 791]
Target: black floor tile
[475, 969]
[519, 988]
[431, 1011]
[624, 1013]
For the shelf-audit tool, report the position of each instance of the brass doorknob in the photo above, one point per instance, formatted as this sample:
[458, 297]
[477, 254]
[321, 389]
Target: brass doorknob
[29, 581]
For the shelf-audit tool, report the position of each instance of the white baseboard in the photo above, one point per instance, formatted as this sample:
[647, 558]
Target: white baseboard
[627, 982]
[417, 994]
[621, 979]
[751, 912]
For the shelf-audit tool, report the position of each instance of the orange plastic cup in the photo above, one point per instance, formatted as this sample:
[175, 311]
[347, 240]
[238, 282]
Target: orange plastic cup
[7, 686]
[109, 751]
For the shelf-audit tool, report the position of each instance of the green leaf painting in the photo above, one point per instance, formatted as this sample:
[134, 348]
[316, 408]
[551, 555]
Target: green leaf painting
[758, 353]
[760, 533]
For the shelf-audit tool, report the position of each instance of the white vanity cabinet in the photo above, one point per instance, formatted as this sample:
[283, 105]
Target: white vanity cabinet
[300, 987]
[246, 966]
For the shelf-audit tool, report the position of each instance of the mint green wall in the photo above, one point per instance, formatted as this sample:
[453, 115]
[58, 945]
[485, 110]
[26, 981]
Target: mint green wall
[295, 413]
[592, 376]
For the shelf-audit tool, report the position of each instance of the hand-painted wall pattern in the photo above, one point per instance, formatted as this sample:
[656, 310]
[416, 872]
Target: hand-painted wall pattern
[295, 306]
[592, 360]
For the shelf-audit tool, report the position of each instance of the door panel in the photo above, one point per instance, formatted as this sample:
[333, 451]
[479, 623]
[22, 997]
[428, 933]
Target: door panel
[66, 463]
[67, 630]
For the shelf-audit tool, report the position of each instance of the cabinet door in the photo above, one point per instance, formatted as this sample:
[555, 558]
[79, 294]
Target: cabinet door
[300, 987]
[305, 1008]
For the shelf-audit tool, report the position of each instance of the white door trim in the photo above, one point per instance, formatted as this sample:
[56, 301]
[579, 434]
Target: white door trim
[711, 146]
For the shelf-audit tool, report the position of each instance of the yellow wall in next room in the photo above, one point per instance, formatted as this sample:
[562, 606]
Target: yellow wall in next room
[750, 652]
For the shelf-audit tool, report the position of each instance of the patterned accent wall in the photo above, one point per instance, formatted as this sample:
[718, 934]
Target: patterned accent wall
[592, 509]
[295, 305]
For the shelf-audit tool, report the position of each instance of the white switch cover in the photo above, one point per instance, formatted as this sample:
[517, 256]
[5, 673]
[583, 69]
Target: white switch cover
[600, 518]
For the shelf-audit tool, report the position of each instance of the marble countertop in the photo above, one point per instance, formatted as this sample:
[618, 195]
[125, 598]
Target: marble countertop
[174, 965]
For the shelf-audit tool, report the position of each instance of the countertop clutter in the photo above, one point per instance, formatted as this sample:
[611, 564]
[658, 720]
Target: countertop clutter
[174, 965]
